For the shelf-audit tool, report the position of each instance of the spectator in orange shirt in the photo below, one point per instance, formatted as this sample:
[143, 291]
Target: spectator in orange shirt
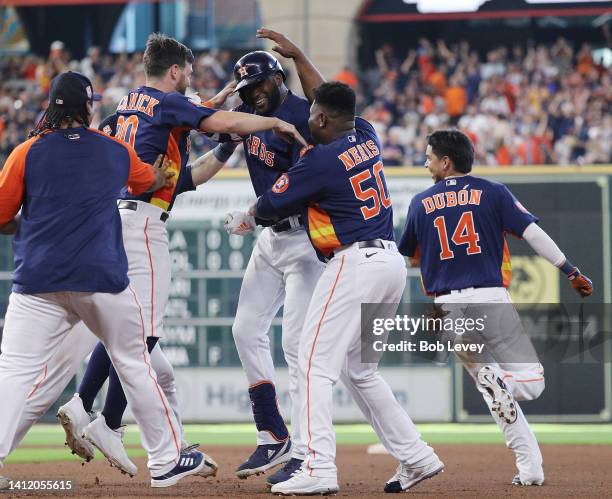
[347, 76]
[456, 98]
[437, 79]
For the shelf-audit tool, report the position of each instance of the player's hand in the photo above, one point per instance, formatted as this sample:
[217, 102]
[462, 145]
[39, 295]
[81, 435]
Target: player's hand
[218, 100]
[164, 170]
[239, 223]
[288, 132]
[284, 46]
[581, 283]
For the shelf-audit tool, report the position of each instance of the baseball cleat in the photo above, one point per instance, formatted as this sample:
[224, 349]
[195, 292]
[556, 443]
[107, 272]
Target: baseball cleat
[190, 463]
[110, 443]
[286, 472]
[185, 447]
[302, 484]
[503, 401]
[264, 458]
[529, 481]
[73, 418]
[407, 477]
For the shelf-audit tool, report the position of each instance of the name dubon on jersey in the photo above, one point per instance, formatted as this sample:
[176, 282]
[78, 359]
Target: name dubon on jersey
[457, 229]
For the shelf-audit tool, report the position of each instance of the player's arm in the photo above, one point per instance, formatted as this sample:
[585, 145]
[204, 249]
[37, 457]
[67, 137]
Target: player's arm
[208, 165]
[178, 110]
[293, 190]
[146, 178]
[544, 246]
[218, 100]
[244, 124]
[517, 220]
[12, 188]
[409, 244]
[309, 75]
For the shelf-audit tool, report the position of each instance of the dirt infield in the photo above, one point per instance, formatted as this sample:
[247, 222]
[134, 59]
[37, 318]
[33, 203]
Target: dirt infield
[471, 470]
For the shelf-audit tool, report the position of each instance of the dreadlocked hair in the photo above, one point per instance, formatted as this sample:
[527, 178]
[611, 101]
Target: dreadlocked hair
[54, 117]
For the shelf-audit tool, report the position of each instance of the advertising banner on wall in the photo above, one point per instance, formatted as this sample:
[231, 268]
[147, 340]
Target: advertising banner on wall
[220, 395]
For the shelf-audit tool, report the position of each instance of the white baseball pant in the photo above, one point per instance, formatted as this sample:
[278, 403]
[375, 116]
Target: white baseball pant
[62, 367]
[55, 376]
[330, 349]
[525, 380]
[145, 239]
[283, 271]
[146, 244]
[35, 326]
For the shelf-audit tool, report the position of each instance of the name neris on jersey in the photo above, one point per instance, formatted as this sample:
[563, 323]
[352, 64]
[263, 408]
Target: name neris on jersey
[359, 153]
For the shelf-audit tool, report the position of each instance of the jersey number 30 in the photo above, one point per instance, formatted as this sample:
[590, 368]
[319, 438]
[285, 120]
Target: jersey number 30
[377, 197]
[123, 125]
[464, 234]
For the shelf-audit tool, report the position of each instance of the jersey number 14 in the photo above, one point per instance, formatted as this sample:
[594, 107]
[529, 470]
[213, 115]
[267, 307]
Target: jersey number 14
[464, 233]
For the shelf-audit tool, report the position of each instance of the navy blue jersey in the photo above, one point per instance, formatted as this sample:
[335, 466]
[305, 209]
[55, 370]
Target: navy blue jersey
[457, 228]
[69, 235]
[267, 155]
[154, 123]
[341, 190]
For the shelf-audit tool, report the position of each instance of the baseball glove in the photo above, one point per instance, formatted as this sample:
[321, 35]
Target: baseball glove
[581, 283]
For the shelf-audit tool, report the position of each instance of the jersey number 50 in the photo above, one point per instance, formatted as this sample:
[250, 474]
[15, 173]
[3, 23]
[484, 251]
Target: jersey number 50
[377, 197]
[464, 233]
[123, 125]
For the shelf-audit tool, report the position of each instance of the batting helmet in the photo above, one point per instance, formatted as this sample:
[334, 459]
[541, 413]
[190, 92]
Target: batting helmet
[256, 66]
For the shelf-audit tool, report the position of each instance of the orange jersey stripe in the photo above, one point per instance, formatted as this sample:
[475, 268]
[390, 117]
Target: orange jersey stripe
[321, 230]
[506, 266]
[12, 181]
[163, 197]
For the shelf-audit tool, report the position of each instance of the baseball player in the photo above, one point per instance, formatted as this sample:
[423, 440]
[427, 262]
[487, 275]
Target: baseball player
[456, 231]
[339, 187]
[80, 342]
[70, 265]
[155, 118]
[282, 271]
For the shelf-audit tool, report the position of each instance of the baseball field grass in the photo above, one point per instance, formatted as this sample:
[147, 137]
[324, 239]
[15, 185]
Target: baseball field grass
[45, 442]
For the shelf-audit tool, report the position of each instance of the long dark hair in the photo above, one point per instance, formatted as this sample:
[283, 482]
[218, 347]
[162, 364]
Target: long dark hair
[55, 115]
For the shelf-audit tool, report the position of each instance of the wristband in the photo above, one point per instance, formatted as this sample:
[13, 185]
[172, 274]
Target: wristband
[224, 150]
[567, 267]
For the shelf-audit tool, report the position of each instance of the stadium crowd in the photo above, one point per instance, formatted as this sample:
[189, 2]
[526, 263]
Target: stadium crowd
[536, 105]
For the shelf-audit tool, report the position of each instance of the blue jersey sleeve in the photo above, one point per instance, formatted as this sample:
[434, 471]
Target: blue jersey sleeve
[408, 242]
[515, 218]
[178, 110]
[185, 181]
[297, 147]
[293, 190]
[109, 125]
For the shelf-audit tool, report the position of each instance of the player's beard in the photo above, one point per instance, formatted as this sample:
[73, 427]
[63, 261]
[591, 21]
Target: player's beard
[273, 96]
[181, 85]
